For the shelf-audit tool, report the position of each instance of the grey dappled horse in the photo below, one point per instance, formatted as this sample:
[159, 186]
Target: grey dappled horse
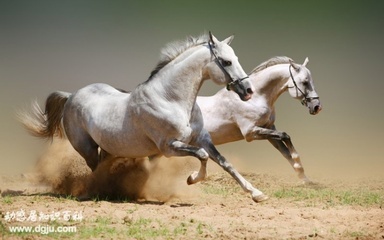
[227, 119]
[159, 117]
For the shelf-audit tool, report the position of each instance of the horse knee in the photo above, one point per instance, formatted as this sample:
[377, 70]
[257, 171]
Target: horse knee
[202, 155]
[285, 136]
[250, 136]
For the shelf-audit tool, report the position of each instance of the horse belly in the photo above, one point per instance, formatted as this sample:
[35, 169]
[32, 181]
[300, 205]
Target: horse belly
[129, 148]
[225, 133]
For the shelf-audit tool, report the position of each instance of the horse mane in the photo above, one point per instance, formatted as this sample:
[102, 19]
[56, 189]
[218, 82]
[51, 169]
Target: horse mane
[174, 49]
[271, 62]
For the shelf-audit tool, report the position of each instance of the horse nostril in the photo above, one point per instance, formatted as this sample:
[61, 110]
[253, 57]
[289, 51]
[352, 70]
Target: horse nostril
[317, 108]
[249, 90]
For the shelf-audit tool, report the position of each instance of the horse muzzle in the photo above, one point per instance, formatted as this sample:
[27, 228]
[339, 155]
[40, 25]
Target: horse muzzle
[242, 87]
[313, 105]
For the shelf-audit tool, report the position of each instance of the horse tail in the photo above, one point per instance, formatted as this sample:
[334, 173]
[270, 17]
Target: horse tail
[46, 124]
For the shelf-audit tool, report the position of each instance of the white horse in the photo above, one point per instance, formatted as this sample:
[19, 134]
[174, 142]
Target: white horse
[227, 119]
[159, 117]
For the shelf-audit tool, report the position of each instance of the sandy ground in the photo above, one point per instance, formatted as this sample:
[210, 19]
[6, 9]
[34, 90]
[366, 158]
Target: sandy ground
[154, 197]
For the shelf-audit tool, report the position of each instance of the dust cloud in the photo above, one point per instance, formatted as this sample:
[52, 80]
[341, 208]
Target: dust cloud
[64, 171]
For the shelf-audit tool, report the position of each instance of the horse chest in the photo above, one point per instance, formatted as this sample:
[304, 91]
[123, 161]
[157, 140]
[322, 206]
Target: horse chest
[262, 116]
[168, 120]
[258, 112]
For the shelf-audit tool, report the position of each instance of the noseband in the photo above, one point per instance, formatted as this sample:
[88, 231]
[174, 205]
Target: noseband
[233, 82]
[305, 99]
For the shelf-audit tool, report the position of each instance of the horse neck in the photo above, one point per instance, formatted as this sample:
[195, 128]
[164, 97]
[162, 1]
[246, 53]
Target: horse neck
[181, 79]
[271, 82]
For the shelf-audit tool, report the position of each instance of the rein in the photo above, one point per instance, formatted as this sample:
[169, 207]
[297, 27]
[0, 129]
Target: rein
[305, 99]
[233, 82]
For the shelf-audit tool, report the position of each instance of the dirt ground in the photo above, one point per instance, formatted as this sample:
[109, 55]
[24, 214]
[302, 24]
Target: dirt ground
[146, 200]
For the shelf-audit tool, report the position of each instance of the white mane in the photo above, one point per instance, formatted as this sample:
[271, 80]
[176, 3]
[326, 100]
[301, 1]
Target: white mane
[271, 62]
[174, 49]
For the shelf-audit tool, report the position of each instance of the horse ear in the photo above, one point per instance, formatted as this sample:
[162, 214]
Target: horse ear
[294, 65]
[212, 38]
[306, 61]
[228, 40]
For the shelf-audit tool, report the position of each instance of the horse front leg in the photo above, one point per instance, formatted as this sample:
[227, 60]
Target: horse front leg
[214, 154]
[282, 142]
[179, 148]
[200, 175]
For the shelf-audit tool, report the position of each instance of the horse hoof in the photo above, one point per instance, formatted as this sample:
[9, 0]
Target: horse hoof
[310, 184]
[260, 198]
[307, 182]
[192, 178]
[84, 197]
[189, 181]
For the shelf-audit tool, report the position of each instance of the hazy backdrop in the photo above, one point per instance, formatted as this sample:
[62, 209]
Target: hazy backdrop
[64, 45]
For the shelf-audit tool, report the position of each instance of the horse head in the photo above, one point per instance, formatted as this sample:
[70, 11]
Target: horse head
[225, 68]
[301, 87]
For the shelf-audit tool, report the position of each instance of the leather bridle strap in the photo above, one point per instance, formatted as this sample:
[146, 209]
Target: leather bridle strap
[305, 99]
[233, 82]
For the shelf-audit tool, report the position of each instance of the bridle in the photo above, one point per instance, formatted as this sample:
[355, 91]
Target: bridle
[305, 99]
[217, 60]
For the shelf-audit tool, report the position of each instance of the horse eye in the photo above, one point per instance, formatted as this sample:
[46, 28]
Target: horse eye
[226, 63]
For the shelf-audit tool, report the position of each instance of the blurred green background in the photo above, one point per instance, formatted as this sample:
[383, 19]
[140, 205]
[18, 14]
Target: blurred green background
[64, 45]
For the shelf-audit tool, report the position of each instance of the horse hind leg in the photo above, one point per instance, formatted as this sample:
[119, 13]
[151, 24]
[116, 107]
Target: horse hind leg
[103, 155]
[91, 155]
[87, 148]
[293, 159]
[282, 142]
